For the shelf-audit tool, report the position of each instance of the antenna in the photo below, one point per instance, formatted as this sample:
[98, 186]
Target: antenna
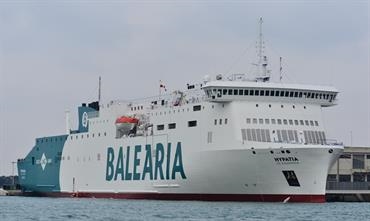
[281, 69]
[260, 43]
[262, 59]
[99, 95]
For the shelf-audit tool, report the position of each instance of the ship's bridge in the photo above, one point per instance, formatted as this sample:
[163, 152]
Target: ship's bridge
[227, 91]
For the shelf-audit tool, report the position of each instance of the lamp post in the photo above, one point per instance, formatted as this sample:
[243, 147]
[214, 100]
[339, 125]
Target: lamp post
[13, 181]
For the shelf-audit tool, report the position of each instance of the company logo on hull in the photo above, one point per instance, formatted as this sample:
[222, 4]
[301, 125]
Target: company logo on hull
[43, 161]
[159, 164]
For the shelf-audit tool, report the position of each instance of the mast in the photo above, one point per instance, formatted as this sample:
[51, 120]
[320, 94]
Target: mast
[263, 73]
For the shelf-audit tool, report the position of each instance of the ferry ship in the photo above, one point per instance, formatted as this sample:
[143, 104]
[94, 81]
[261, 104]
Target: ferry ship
[226, 138]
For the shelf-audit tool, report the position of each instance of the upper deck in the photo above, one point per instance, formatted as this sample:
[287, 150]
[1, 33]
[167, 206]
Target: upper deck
[228, 90]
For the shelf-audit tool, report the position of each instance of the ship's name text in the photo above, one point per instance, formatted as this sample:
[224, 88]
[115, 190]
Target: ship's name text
[159, 163]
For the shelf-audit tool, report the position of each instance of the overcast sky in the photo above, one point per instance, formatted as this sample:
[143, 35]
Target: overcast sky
[52, 52]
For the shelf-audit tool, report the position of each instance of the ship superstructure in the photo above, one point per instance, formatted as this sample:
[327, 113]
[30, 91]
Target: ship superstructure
[227, 138]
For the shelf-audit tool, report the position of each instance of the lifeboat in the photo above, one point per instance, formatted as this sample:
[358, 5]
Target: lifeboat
[126, 125]
[127, 120]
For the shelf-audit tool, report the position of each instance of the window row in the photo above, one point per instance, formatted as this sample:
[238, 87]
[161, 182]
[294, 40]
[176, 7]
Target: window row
[76, 137]
[219, 121]
[170, 126]
[287, 136]
[259, 135]
[137, 108]
[58, 158]
[192, 123]
[282, 121]
[314, 137]
[357, 177]
[50, 139]
[272, 93]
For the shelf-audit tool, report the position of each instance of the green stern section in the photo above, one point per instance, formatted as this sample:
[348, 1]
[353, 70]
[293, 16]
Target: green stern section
[39, 171]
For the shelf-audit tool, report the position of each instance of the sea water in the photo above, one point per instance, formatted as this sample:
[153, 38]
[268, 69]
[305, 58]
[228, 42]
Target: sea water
[37, 208]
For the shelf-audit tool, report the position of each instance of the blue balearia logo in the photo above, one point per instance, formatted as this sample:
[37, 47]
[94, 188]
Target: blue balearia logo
[160, 165]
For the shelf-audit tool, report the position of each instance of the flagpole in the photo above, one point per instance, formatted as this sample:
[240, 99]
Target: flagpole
[160, 90]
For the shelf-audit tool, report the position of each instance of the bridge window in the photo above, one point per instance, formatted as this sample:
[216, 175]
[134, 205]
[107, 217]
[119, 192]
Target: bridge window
[290, 122]
[249, 121]
[254, 120]
[251, 92]
[291, 94]
[235, 92]
[273, 121]
[160, 127]
[267, 93]
[272, 93]
[286, 93]
[230, 92]
[246, 92]
[240, 92]
[224, 91]
[279, 121]
[256, 92]
[285, 121]
[262, 93]
[296, 94]
[260, 121]
[296, 122]
[267, 121]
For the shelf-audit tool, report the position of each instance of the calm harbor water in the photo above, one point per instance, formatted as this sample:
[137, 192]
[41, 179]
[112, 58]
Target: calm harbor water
[32, 208]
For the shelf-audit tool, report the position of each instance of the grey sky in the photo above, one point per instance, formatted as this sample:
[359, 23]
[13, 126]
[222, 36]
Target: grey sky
[52, 52]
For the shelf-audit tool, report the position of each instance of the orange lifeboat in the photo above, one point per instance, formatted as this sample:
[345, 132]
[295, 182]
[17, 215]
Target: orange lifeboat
[127, 120]
[126, 126]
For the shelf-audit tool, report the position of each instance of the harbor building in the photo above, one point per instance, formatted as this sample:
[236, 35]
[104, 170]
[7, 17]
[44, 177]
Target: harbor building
[349, 177]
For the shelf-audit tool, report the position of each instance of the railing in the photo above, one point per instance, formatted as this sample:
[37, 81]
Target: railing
[332, 185]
